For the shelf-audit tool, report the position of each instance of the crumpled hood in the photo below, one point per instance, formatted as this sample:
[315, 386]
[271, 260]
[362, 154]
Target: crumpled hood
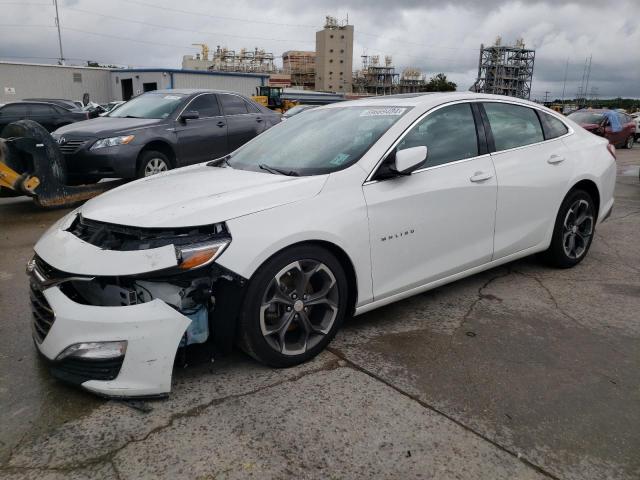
[107, 126]
[198, 195]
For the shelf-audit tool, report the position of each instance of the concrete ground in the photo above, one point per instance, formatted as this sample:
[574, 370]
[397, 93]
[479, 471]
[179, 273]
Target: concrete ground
[518, 372]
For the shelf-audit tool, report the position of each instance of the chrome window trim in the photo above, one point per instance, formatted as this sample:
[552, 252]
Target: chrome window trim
[369, 180]
[532, 107]
[244, 101]
[193, 99]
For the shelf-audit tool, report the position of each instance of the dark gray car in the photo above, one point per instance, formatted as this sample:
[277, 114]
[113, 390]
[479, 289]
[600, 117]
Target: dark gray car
[51, 115]
[160, 130]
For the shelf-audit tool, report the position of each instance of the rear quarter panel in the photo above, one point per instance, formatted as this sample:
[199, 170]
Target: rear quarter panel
[592, 161]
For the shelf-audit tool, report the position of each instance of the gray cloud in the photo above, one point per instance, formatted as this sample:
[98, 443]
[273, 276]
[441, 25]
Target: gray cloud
[436, 36]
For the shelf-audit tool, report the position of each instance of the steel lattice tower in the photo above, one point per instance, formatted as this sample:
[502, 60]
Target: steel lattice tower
[505, 70]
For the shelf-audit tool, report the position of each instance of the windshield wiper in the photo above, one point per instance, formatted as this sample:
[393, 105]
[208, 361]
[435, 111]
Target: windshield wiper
[288, 173]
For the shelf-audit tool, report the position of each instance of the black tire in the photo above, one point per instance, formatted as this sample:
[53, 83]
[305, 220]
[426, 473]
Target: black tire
[147, 158]
[629, 143]
[556, 255]
[250, 334]
[31, 129]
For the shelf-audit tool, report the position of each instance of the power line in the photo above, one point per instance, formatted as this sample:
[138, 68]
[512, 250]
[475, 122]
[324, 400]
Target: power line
[127, 38]
[190, 30]
[201, 14]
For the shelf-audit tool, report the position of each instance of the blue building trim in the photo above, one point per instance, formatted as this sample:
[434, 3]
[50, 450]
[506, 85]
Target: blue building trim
[172, 71]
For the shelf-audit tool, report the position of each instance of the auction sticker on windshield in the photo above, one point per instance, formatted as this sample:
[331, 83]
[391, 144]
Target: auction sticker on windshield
[383, 111]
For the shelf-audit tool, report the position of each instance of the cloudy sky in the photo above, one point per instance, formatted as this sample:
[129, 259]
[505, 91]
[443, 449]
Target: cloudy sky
[435, 36]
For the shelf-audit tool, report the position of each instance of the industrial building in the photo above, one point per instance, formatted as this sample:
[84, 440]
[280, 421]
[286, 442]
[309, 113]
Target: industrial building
[301, 66]
[375, 78]
[505, 70]
[334, 57]
[23, 80]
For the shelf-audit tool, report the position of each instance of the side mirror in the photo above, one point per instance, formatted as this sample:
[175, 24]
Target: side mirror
[410, 159]
[189, 115]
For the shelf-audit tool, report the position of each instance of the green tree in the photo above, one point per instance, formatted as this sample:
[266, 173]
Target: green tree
[439, 83]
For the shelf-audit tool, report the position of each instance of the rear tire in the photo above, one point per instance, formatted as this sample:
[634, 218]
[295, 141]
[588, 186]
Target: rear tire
[573, 230]
[152, 162]
[294, 305]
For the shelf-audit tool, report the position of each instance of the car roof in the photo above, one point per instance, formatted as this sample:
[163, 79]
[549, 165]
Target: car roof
[427, 99]
[191, 91]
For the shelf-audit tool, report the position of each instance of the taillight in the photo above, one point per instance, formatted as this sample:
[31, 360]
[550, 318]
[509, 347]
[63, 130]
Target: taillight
[612, 150]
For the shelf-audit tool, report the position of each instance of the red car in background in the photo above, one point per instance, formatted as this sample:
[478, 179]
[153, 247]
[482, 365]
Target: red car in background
[600, 122]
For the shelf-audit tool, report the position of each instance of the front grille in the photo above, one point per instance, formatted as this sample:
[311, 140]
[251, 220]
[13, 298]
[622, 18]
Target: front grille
[78, 370]
[43, 316]
[71, 146]
[47, 271]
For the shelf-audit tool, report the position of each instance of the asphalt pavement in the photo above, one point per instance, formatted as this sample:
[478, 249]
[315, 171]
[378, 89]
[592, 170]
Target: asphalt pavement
[519, 372]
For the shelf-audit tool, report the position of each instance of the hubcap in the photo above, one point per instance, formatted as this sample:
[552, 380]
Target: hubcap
[155, 165]
[299, 307]
[577, 229]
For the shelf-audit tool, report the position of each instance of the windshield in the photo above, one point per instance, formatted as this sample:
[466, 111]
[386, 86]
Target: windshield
[149, 105]
[320, 141]
[587, 117]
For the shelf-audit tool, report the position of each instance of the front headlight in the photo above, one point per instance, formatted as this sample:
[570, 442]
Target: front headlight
[112, 141]
[200, 254]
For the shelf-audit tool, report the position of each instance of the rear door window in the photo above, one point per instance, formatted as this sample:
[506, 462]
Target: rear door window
[206, 106]
[252, 107]
[38, 110]
[552, 126]
[233, 104]
[449, 134]
[513, 125]
[17, 110]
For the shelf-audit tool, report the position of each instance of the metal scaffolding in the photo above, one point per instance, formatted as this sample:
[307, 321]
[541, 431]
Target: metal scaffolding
[505, 70]
[374, 78]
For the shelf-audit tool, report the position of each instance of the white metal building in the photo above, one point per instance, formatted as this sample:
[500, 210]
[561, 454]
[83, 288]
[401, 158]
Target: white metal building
[126, 83]
[27, 80]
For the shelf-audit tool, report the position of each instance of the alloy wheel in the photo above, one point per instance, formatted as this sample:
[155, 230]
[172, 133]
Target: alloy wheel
[155, 165]
[630, 141]
[577, 229]
[299, 307]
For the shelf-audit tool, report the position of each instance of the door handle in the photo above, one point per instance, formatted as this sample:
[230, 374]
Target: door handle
[259, 119]
[553, 159]
[221, 124]
[480, 177]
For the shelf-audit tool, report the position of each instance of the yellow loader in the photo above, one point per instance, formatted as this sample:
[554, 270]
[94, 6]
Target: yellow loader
[31, 164]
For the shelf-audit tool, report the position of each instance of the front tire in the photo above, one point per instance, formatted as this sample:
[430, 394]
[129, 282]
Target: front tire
[573, 231]
[294, 306]
[153, 162]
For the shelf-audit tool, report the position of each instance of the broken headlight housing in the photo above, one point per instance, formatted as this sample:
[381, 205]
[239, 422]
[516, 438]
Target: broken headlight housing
[200, 254]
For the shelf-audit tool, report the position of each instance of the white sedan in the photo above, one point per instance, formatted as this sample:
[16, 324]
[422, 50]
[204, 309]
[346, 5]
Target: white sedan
[335, 212]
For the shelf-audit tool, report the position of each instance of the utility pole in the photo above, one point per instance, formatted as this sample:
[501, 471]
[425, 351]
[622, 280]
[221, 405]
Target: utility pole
[546, 96]
[564, 84]
[55, 2]
[586, 87]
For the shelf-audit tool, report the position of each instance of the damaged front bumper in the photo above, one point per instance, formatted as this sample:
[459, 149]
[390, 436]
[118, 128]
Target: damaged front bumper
[112, 321]
[152, 331]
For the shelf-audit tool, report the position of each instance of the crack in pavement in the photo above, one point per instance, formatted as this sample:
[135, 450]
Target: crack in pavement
[436, 410]
[617, 253]
[109, 457]
[562, 311]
